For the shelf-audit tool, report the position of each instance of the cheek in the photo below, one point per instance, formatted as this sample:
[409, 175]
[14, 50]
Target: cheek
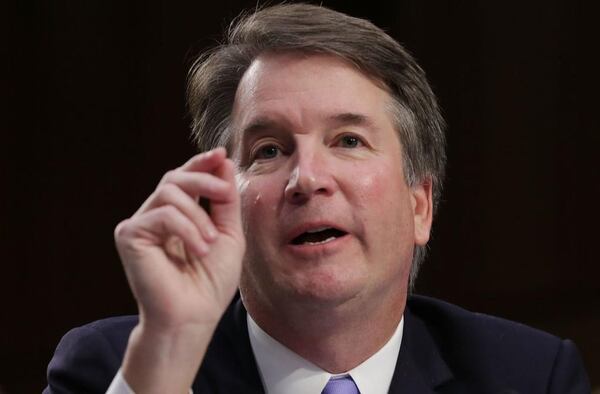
[259, 203]
[383, 202]
[377, 186]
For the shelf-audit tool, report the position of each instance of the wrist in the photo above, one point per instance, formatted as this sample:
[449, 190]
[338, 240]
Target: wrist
[161, 360]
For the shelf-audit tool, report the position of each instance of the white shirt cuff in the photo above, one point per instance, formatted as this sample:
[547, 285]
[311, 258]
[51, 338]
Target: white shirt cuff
[120, 386]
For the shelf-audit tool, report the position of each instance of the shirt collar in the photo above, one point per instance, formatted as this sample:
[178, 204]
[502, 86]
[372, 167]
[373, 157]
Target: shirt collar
[284, 372]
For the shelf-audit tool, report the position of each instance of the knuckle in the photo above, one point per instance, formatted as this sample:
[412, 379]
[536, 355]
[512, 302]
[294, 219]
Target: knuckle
[122, 229]
[166, 191]
[169, 176]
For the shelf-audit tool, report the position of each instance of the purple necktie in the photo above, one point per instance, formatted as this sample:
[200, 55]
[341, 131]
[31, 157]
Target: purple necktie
[341, 385]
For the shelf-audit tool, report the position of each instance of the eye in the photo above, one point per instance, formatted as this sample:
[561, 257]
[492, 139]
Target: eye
[349, 141]
[266, 152]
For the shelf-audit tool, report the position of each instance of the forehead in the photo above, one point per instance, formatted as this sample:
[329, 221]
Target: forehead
[300, 90]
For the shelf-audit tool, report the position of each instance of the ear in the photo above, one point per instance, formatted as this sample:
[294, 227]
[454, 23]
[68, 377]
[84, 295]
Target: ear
[422, 205]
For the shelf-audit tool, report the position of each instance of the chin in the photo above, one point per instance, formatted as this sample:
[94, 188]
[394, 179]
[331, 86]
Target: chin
[323, 287]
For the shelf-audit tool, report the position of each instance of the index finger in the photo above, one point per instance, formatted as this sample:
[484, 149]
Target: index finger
[206, 161]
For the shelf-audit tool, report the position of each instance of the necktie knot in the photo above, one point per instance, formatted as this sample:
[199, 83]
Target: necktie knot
[341, 385]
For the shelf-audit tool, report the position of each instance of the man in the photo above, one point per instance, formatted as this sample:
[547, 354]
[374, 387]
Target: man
[319, 217]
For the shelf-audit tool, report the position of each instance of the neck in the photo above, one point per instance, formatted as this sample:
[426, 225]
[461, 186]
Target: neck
[338, 337]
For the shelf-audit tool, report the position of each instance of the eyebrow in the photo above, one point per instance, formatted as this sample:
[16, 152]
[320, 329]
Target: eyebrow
[351, 119]
[263, 123]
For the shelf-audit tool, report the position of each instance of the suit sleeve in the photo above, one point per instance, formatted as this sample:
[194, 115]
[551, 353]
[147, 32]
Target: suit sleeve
[84, 362]
[568, 373]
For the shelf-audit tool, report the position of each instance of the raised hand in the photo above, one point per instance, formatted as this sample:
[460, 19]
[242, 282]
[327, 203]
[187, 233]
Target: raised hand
[183, 266]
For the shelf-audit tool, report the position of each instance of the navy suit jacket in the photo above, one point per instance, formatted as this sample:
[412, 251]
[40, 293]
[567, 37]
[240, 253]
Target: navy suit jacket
[445, 349]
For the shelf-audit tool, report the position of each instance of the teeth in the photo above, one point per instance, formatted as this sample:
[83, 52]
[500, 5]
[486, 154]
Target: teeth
[317, 230]
[320, 242]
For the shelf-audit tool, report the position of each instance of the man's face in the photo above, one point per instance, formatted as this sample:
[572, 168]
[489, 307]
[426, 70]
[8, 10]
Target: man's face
[327, 213]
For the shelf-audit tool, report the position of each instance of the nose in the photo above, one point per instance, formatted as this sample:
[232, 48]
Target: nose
[311, 175]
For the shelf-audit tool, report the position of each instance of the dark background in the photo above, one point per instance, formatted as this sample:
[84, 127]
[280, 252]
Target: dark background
[95, 113]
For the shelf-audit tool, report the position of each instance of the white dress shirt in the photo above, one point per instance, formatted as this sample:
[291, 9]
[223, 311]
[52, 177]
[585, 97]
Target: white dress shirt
[119, 385]
[284, 372]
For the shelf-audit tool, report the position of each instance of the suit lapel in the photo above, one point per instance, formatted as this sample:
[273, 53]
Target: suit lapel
[239, 336]
[420, 367]
[229, 365]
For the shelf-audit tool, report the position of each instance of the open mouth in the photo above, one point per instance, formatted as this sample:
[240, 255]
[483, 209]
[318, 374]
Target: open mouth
[318, 236]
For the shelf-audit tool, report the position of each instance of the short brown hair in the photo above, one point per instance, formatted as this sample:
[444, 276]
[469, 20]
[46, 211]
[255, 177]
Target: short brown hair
[215, 75]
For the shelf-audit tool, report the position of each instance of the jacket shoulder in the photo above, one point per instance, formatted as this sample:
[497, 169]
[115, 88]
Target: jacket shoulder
[494, 353]
[88, 357]
[458, 322]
